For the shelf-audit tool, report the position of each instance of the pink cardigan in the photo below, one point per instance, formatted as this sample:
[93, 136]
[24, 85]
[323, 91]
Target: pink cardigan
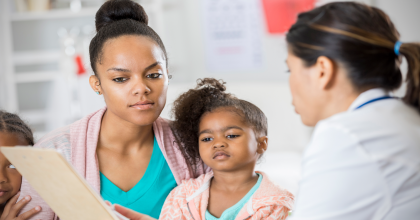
[189, 201]
[78, 143]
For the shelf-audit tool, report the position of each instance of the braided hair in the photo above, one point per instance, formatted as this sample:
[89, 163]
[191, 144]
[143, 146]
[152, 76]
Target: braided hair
[11, 123]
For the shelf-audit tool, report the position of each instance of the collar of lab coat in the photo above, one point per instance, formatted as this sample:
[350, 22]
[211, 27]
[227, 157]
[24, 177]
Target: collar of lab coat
[367, 96]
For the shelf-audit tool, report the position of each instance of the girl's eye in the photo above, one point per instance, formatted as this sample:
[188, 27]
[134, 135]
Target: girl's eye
[206, 139]
[232, 136]
[288, 71]
[154, 75]
[11, 166]
[120, 79]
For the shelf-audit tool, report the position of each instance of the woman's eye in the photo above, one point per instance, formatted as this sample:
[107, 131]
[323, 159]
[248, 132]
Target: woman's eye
[120, 79]
[288, 71]
[11, 166]
[232, 136]
[154, 75]
[206, 139]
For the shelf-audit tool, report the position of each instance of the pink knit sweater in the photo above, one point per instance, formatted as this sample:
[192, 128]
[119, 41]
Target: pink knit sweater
[189, 201]
[78, 143]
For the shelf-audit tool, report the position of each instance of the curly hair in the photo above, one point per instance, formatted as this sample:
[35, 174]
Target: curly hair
[11, 123]
[209, 95]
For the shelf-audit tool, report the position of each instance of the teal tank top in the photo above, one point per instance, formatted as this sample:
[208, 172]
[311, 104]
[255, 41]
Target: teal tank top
[233, 211]
[149, 194]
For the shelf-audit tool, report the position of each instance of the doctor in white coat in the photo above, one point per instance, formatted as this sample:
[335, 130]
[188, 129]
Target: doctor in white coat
[363, 161]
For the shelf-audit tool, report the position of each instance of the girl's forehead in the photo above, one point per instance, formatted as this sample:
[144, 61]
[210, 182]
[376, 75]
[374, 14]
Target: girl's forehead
[11, 139]
[225, 111]
[223, 116]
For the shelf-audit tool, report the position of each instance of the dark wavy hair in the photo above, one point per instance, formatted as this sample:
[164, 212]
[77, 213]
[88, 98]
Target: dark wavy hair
[11, 123]
[117, 18]
[209, 95]
[362, 39]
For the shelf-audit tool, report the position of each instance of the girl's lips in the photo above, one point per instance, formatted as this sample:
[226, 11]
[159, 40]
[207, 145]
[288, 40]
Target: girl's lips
[2, 193]
[220, 155]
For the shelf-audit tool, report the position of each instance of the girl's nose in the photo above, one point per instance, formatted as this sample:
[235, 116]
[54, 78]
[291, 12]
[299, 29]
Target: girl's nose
[219, 145]
[3, 176]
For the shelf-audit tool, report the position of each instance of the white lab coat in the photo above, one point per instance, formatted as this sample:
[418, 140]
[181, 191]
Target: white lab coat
[363, 164]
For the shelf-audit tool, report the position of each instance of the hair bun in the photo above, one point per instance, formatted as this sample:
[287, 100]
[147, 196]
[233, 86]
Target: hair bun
[218, 85]
[115, 10]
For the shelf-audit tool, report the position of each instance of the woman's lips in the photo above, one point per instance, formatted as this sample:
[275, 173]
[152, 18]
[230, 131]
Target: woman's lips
[143, 105]
[220, 155]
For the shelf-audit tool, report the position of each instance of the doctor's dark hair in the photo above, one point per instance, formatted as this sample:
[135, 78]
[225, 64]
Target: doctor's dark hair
[361, 39]
[209, 95]
[12, 124]
[117, 18]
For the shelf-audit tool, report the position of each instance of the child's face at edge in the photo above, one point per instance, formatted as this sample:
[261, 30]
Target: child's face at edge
[227, 143]
[10, 178]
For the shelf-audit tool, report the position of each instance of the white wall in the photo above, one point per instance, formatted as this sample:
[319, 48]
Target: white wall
[2, 86]
[184, 37]
[405, 15]
[2, 68]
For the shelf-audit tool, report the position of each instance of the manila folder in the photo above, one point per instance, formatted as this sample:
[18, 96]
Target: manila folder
[55, 180]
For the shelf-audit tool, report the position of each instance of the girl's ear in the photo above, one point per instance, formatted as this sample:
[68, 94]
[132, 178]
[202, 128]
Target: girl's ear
[262, 144]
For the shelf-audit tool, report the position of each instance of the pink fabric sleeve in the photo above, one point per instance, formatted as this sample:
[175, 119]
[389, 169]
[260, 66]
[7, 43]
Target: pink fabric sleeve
[46, 212]
[171, 209]
[273, 212]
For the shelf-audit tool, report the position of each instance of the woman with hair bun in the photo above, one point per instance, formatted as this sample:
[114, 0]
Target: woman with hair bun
[364, 156]
[125, 151]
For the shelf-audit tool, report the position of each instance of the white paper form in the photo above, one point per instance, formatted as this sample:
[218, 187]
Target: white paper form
[233, 36]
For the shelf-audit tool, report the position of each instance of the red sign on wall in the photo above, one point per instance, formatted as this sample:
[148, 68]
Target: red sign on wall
[280, 15]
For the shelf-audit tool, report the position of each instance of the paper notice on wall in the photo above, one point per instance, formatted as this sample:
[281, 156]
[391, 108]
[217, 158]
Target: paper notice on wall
[233, 36]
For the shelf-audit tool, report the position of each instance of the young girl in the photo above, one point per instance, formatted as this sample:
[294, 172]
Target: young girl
[229, 135]
[13, 131]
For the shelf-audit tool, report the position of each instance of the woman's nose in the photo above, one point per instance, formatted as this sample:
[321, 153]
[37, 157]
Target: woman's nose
[140, 88]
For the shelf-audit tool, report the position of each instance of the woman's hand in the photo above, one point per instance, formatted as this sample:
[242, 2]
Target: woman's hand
[12, 209]
[132, 215]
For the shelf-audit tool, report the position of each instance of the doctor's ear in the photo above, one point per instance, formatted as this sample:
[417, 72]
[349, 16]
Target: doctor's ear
[326, 72]
[262, 144]
[95, 84]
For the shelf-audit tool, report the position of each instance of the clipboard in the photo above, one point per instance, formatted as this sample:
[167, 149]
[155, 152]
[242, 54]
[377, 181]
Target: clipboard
[55, 180]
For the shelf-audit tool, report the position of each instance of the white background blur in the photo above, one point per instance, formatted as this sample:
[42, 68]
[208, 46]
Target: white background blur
[44, 101]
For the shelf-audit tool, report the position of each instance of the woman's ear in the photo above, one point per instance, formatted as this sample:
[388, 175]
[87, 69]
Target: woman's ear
[262, 144]
[326, 72]
[95, 84]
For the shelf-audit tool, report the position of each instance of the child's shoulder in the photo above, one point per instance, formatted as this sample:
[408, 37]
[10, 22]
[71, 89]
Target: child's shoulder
[274, 193]
[190, 186]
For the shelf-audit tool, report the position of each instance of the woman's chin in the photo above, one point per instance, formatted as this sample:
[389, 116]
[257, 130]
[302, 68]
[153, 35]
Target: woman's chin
[308, 121]
[145, 119]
